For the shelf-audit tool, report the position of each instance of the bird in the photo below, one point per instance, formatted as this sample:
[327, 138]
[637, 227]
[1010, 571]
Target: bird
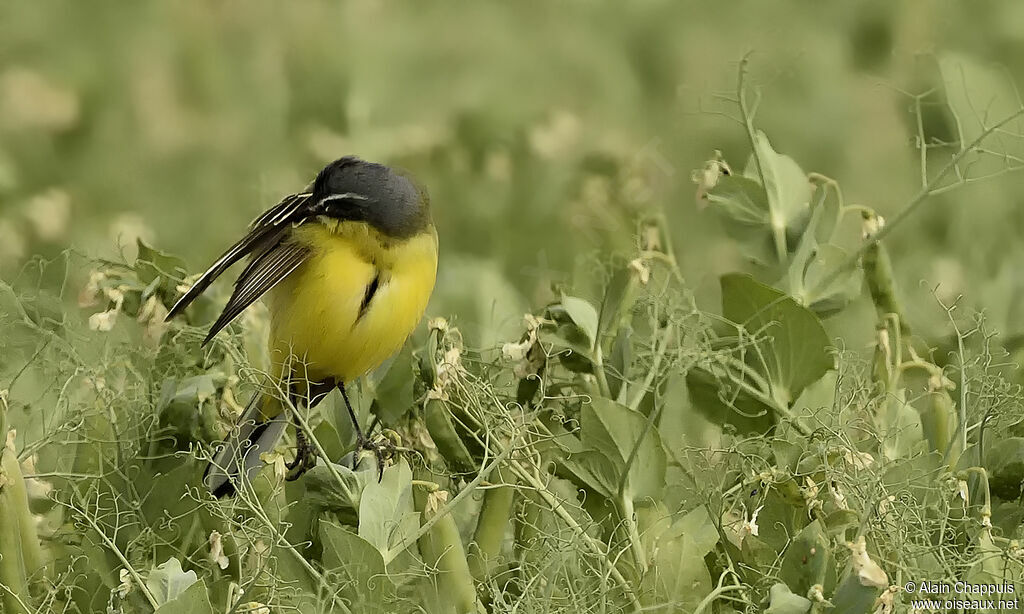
[346, 268]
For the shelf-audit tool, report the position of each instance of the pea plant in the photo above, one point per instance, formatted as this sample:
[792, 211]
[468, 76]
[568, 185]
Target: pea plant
[630, 451]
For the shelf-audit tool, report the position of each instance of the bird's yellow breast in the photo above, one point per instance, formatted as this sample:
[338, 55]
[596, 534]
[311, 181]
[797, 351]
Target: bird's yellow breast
[319, 313]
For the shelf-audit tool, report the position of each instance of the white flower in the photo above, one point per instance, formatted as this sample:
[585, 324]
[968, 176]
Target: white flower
[868, 571]
[642, 270]
[217, 550]
[125, 586]
[436, 500]
[707, 178]
[105, 320]
[750, 526]
[884, 603]
[871, 225]
[962, 492]
[811, 495]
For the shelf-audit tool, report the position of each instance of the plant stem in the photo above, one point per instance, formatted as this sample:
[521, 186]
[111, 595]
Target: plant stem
[659, 354]
[929, 189]
[323, 454]
[595, 546]
[109, 543]
[602, 378]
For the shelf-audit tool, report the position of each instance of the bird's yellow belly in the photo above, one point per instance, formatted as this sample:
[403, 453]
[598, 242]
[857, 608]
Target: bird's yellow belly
[317, 313]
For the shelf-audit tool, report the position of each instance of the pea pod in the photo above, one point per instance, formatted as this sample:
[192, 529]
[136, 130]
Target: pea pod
[936, 420]
[13, 507]
[442, 551]
[491, 526]
[881, 285]
[442, 430]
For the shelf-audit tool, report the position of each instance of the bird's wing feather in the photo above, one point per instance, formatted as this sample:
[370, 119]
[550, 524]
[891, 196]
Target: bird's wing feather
[265, 232]
[264, 272]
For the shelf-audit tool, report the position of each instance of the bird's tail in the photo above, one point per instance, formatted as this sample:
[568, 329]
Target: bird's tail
[238, 458]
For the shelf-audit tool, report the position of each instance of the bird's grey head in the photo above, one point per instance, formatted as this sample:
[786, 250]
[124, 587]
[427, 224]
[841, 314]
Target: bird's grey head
[356, 190]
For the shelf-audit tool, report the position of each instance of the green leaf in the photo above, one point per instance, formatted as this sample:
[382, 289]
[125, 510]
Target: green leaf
[386, 514]
[358, 568]
[181, 403]
[613, 430]
[393, 388]
[619, 361]
[990, 566]
[742, 207]
[826, 292]
[786, 453]
[595, 470]
[190, 391]
[915, 475]
[164, 500]
[715, 396]
[827, 202]
[792, 347]
[852, 597]
[783, 601]
[808, 560]
[1005, 463]
[583, 315]
[786, 187]
[615, 296]
[571, 346]
[899, 426]
[152, 264]
[819, 398]
[678, 579]
[193, 600]
[323, 489]
[168, 581]
[329, 438]
[741, 202]
[838, 521]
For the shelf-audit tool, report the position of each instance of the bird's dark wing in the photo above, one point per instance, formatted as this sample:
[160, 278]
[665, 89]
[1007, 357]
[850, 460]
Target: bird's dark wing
[265, 271]
[272, 258]
[265, 232]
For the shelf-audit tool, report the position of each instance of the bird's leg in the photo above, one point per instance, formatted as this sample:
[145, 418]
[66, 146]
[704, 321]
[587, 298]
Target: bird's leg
[362, 443]
[305, 457]
[305, 454]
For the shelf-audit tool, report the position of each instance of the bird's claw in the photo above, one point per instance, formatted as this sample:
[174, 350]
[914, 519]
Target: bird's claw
[383, 450]
[304, 460]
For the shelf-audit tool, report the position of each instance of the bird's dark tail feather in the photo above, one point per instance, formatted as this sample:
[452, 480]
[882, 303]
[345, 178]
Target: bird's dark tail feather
[239, 456]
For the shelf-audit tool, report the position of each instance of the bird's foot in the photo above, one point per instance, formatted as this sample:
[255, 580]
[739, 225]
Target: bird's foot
[305, 457]
[383, 449]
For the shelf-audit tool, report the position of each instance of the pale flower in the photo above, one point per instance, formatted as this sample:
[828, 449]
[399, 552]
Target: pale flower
[217, 550]
[125, 585]
[749, 527]
[868, 571]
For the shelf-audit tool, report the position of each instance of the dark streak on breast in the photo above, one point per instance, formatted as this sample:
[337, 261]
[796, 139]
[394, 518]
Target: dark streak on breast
[371, 289]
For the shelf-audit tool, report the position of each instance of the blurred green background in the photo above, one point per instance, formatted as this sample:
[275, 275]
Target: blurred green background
[542, 130]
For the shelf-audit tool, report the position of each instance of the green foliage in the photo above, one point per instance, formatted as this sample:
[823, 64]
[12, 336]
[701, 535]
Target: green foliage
[635, 446]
